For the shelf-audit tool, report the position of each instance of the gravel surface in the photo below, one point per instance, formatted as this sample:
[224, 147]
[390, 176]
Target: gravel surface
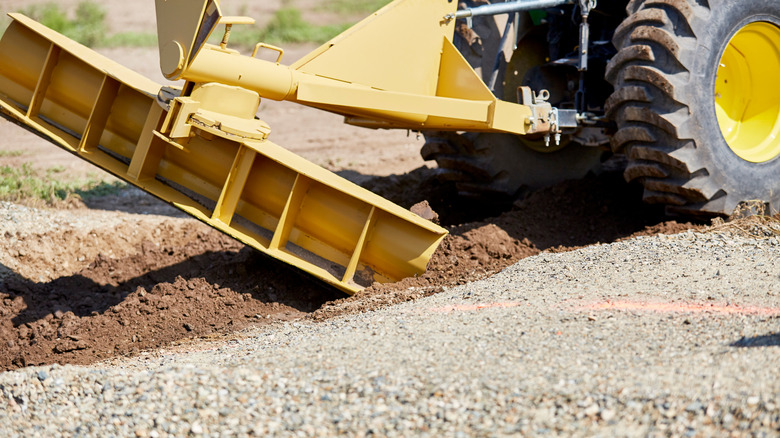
[22, 220]
[44, 244]
[654, 336]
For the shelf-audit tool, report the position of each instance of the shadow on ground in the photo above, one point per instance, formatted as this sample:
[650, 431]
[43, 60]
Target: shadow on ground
[159, 296]
[770, 340]
[212, 284]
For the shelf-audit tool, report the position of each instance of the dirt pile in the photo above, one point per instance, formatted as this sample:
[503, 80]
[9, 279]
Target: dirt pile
[207, 283]
[80, 296]
[597, 209]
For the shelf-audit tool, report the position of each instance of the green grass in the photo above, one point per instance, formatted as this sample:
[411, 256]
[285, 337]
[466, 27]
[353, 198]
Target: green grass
[11, 153]
[21, 183]
[54, 169]
[354, 6]
[88, 28]
[130, 39]
[286, 26]
[5, 21]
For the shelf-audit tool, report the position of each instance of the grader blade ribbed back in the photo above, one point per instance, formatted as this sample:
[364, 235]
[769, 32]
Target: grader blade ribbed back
[201, 147]
[206, 154]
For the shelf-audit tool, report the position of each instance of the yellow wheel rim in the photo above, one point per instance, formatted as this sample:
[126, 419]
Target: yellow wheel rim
[747, 92]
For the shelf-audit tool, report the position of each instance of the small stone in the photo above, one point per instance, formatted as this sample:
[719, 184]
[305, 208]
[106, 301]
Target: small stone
[591, 410]
[196, 428]
[42, 375]
[753, 401]
[607, 414]
[694, 407]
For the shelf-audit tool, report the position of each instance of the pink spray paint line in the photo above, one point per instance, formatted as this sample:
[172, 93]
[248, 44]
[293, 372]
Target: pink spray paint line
[721, 309]
[633, 306]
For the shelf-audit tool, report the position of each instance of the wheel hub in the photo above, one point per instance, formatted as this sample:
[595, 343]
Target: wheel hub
[747, 93]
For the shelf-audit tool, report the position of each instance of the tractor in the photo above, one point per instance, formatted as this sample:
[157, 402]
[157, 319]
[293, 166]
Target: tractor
[682, 94]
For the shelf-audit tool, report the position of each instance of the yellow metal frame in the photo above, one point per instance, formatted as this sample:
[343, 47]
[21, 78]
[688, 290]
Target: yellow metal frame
[202, 149]
[209, 159]
[397, 68]
[747, 98]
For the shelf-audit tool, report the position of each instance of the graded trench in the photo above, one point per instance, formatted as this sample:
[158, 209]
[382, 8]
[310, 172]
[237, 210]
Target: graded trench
[82, 293]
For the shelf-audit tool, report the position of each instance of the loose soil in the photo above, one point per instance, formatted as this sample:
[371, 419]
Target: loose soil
[125, 273]
[78, 295]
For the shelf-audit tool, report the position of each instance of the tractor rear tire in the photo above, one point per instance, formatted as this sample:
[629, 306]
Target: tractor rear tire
[697, 102]
[497, 167]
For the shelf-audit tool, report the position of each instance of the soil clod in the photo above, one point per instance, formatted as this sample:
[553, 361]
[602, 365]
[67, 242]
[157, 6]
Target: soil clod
[83, 292]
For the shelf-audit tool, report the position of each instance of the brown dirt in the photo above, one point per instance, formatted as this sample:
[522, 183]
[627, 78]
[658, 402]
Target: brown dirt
[174, 279]
[149, 278]
[597, 209]
[189, 281]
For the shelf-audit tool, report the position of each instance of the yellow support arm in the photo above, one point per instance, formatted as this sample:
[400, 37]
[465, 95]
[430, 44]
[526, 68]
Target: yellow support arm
[206, 154]
[397, 68]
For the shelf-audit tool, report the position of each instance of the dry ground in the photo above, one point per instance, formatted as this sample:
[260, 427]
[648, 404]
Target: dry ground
[124, 273]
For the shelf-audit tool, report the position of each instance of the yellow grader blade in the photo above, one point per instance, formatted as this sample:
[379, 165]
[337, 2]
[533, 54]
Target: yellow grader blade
[209, 158]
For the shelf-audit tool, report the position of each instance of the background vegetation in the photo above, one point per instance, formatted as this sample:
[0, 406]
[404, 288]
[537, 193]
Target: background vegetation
[23, 183]
[87, 24]
[349, 7]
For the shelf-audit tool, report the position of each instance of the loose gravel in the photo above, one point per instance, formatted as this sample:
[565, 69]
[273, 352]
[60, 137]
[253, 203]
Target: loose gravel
[545, 347]
[29, 250]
